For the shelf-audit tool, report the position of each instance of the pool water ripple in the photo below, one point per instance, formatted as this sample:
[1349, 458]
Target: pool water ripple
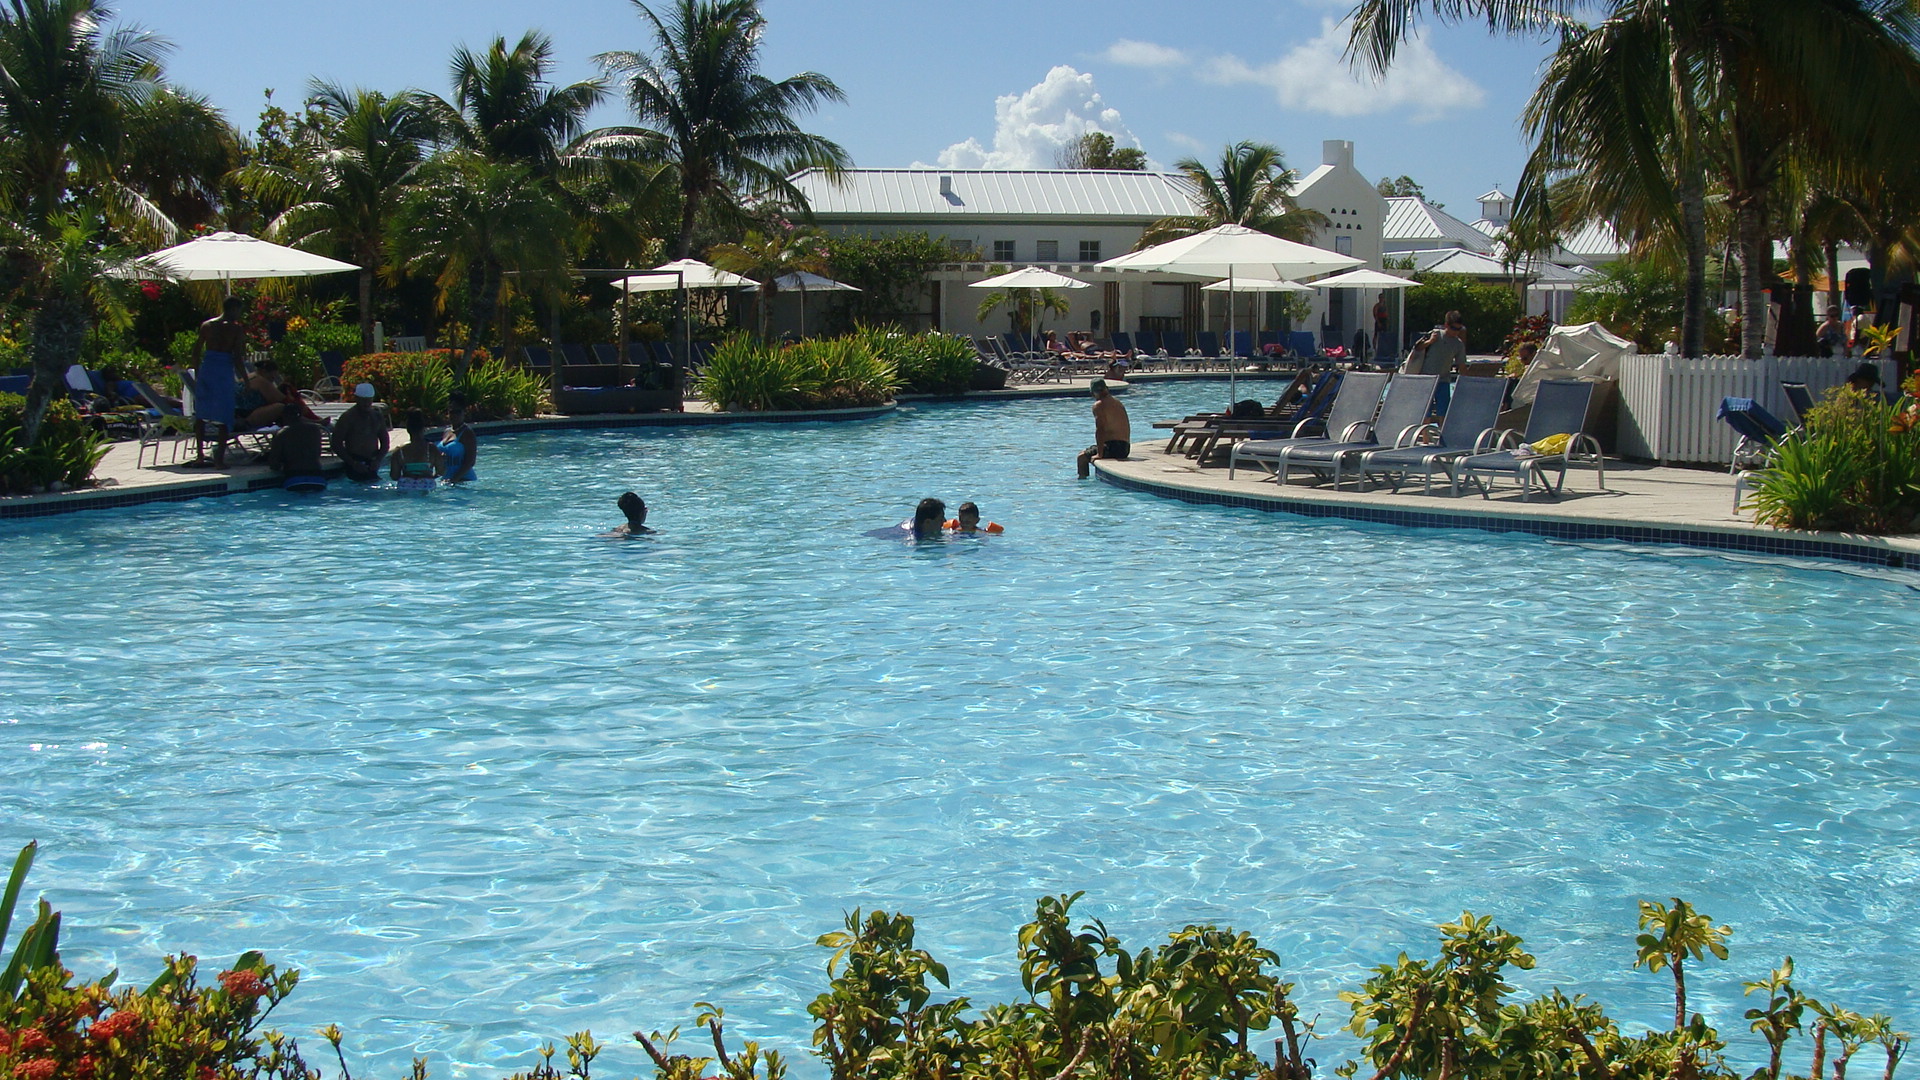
[489, 779]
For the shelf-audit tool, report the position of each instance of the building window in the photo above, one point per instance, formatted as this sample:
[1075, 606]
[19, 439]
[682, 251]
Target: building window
[1089, 251]
[1343, 245]
[1046, 251]
[1003, 251]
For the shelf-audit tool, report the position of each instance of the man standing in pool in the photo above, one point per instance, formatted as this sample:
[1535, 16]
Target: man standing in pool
[1112, 434]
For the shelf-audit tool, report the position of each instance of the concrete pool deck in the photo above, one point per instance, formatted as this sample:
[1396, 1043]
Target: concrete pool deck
[1643, 504]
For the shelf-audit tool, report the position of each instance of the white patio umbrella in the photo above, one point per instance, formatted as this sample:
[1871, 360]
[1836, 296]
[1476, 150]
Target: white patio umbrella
[691, 274]
[805, 281]
[1231, 252]
[228, 256]
[1251, 285]
[1031, 277]
[1372, 279]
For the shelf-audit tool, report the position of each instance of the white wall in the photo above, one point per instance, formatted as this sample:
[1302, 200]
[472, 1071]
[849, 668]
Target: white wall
[1356, 214]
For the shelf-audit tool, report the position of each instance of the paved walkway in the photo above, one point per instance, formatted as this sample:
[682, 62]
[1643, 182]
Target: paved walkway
[1641, 503]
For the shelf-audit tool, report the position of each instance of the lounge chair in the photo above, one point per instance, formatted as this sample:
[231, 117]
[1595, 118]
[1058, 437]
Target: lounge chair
[1559, 408]
[1208, 343]
[1760, 432]
[1283, 411]
[1306, 418]
[163, 419]
[1300, 343]
[1468, 429]
[1123, 342]
[1799, 399]
[1174, 341]
[606, 355]
[1351, 414]
[573, 354]
[537, 356]
[1402, 413]
[1242, 345]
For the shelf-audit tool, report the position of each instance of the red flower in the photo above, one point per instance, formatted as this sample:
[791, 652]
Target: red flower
[150, 290]
[37, 1069]
[243, 984]
[207, 1073]
[83, 1068]
[118, 1026]
[33, 1040]
[6, 1042]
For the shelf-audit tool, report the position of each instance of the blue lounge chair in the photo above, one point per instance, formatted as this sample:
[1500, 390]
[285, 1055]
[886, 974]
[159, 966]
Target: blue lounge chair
[1760, 432]
[575, 355]
[163, 419]
[1266, 338]
[1174, 341]
[1300, 343]
[1559, 408]
[1402, 413]
[1351, 414]
[1799, 399]
[1208, 343]
[1242, 344]
[1123, 342]
[606, 355]
[1469, 429]
[537, 356]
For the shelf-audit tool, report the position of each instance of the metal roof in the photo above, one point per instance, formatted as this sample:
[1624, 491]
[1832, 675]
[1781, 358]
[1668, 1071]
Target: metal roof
[1476, 264]
[1595, 238]
[1048, 193]
[1412, 220]
[1496, 195]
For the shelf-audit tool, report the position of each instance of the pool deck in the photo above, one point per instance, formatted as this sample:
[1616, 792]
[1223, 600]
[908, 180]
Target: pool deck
[1642, 504]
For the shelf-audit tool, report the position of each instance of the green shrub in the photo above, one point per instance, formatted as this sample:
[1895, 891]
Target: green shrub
[820, 373]
[495, 390]
[744, 374]
[68, 450]
[1853, 467]
[1490, 311]
[929, 363]
[298, 353]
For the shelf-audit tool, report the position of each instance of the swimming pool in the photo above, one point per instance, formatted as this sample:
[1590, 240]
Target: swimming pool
[488, 779]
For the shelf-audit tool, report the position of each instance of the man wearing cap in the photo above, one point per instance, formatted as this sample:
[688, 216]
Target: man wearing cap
[1112, 434]
[360, 436]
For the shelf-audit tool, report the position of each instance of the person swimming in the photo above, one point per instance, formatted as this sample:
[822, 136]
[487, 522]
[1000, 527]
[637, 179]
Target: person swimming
[635, 508]
[929, 519]
[966, 520]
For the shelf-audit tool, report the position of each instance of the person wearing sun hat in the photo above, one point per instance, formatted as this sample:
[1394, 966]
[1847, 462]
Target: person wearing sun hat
[360, 436]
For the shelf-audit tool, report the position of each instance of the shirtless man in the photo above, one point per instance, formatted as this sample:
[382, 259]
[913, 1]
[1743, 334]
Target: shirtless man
[360, 436]
[223, 344]
[1112, 433]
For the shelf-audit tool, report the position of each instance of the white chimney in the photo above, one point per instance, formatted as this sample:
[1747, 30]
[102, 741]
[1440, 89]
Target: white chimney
[1337, 152]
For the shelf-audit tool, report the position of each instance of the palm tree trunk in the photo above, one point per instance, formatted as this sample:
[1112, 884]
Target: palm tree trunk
[689, 214]
[1691, 192]
[1679, 992]
[59, 329]
[366, 309]
[1756, 266]
[477, 312]
[766, 305]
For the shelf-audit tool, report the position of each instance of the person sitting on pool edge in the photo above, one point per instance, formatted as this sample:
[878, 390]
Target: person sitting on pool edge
[967, 520]
[635, 508]
[1112, 434]
[460, 445]
[294, 453]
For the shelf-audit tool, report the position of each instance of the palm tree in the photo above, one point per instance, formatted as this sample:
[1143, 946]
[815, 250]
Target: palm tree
[70, 260]
[1026, 305]
[1676, 933]
[768, 256]
[505, 110]
[178, 150]
[470, 222]
[726, 129]
[67, 85]
[357, 165]
[1252, 187]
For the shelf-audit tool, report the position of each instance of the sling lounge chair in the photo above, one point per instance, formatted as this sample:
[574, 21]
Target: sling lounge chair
[1559, 408]
[1760, 432]
[1350, 416]
[1402, 413]
[1799, 399]
[1468, 429]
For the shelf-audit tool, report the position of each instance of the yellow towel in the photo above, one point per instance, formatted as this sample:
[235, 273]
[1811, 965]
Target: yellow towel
[1553, 444]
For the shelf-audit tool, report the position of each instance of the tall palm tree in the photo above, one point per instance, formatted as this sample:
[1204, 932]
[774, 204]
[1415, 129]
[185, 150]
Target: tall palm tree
[1252, 186]
[726, 129]
[767, 256]
[470, 221]
[178, 149]
[66, 86]
[353, 172]
[504, 109]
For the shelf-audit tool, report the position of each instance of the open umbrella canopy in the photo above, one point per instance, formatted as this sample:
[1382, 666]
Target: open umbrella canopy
[1234, 251]
[227, 256]
[693, 273]
[1257, 285]
[1364, 279]
[1030, 277]
[805, 281]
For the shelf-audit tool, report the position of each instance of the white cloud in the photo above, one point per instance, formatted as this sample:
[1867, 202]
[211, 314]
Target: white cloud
[1316, 77]
[1181, 138]
[1032, 128]
[1143, 54]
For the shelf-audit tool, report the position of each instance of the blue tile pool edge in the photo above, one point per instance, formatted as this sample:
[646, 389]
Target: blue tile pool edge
[1791, 545]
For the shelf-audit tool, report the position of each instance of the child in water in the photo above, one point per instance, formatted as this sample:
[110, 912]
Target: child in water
[967, 520]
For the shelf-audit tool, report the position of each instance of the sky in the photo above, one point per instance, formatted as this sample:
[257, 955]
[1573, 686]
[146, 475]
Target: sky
[985, 83]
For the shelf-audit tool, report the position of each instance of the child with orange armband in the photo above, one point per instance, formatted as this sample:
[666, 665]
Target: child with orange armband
[969, 521]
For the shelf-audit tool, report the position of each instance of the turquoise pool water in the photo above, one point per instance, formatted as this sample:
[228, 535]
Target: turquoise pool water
[488, 779]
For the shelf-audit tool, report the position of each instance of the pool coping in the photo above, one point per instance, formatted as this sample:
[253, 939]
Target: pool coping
[1882, 551]
[246, 479]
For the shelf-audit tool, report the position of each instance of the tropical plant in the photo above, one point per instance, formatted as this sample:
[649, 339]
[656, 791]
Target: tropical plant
[68, 275]
[1853, 466]
[471, 222]
[505, 110]
[1674, 934]
[929, 363]
[1026, 306]
[742, 373]
[1490, 311]
[890, 270]
[820, 373]
[726, 130]
[347, 183]
[766, 256]
[1251, 186]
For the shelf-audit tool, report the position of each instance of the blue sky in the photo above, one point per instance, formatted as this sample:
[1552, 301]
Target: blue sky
[985, 82]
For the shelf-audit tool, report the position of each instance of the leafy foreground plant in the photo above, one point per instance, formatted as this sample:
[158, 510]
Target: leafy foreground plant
[1203, 1004]
[1853, 467]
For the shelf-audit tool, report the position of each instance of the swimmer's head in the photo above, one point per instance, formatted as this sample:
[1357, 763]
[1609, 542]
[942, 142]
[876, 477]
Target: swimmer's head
[1099, 387]
[416, 424]
[929, 517]
[635, 508]
[968, 515]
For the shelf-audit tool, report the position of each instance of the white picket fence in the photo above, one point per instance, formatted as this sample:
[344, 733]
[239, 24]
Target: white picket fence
[1669, 404]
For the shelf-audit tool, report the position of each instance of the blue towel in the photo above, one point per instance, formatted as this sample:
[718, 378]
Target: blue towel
[216, 389]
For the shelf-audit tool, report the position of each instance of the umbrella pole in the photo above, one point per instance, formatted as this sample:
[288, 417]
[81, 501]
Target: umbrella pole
[803, 309]
[1233, 369]
[1400, 331]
